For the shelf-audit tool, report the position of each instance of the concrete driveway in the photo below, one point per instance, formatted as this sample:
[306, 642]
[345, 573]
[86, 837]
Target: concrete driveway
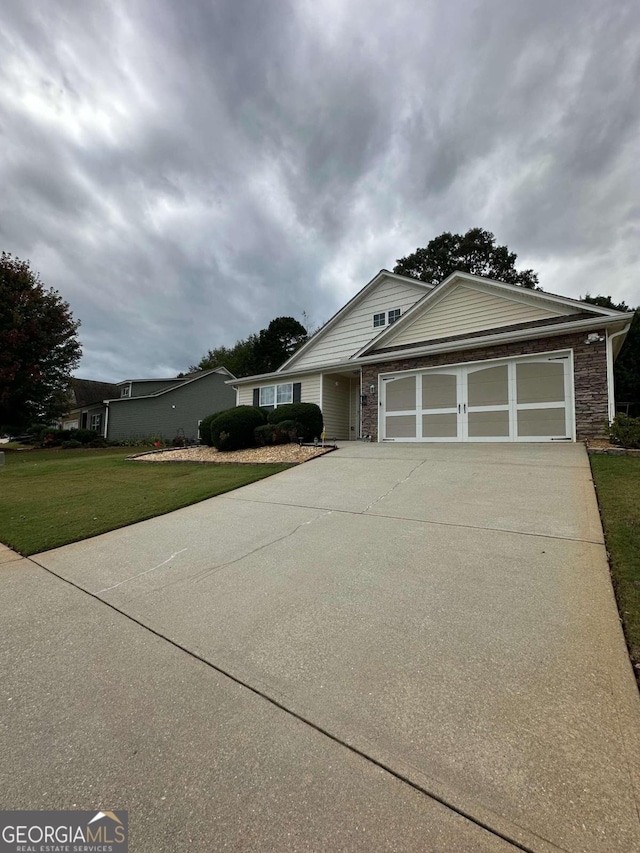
[393, 647]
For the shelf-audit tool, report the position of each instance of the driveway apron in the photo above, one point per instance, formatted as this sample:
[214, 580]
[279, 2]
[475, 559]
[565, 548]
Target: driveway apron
[444, 610]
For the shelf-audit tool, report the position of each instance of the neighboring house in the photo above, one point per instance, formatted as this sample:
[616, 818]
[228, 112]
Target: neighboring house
[166, 408]
[86, 406]
[470, 359]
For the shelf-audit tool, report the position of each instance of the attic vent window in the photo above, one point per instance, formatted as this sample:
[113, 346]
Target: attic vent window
[393, 315]
[125, 391]
[378, 320]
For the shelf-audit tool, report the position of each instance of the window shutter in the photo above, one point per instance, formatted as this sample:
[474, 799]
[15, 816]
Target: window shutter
[256, 396]
[297, 391]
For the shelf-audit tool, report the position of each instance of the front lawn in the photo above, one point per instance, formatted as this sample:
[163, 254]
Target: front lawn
[617, 480]
[49, 498]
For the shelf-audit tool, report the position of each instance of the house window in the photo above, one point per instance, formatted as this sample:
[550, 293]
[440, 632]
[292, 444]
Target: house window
[96, 422]
[272, 396]
[393, 315]
[378, 320]
[125, 391]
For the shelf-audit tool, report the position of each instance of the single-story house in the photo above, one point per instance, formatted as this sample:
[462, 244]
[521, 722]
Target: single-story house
[470, 359]
[86, 406]
[166, 408]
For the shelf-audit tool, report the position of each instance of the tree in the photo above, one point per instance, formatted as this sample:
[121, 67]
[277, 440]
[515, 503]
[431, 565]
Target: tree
[39, 348]
[259, 353]
[238, 359]
[474, 252]
[278, 342]
[626, 370]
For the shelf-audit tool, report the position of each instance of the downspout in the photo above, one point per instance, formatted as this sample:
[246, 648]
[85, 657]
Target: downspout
[610, 379]
[106, 418]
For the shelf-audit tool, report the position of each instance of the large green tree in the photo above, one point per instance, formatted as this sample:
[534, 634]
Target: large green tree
[626, 370]
[39, 347]
[474, 252]
[259, 353]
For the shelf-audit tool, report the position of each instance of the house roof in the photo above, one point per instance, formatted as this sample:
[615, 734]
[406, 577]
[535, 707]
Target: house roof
[88, 391]
[178, 383]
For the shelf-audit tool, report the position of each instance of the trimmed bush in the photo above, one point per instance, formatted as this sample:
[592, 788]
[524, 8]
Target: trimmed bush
[98, 442]
[234, 429]
[625, 431]
[72, 444]
[282, 433]
[292, 429]
[82, 435]
[264, 435]
[205, 428]
[307, 415]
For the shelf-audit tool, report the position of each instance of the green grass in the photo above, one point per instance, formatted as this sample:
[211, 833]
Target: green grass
[49, 498]
[617, 480]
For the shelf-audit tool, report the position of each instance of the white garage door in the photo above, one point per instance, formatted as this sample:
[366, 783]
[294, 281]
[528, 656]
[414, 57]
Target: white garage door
[523, 399]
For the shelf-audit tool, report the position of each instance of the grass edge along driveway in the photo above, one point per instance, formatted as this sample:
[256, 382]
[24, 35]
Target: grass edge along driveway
[617, 480]
[50, 498]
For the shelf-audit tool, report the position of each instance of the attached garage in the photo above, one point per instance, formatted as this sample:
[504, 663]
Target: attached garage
[518, 399]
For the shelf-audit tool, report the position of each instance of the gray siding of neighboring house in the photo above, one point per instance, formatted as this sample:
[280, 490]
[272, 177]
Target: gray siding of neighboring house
[151, 386]
[175, 413]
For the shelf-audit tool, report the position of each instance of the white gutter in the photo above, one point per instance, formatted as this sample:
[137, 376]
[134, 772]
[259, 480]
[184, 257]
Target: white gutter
[610, 377]
[106, 418]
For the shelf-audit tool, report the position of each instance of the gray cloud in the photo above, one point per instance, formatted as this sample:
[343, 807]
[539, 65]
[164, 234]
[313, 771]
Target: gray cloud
[183, 173]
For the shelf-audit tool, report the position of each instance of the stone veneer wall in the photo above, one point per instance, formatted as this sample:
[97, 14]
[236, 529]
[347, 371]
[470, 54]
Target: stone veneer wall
[589, 376]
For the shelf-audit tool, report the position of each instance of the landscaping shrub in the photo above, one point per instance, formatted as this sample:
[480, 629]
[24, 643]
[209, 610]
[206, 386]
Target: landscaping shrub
[264, 434]
[234, 429]
[625, 431]
[82, 435]
[178, 441]
[71, 444]
[281, 433]
[292, 429]
[205, 428]
[98, 442]
[307, 415]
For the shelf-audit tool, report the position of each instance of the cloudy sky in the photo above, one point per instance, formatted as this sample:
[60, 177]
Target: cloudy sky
[183, 172]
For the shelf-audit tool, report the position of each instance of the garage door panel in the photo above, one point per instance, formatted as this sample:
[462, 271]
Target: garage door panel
[540, 382]
[488, 424]
[538, 423]
[401, 426]
[439, 390]
[440, 425]
[401, 394]
[488, 386]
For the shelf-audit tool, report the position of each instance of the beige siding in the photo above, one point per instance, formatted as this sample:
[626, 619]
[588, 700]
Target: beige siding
[335, 406]
[309, 392]
[465, 310]
[355, 328]
[354, 410]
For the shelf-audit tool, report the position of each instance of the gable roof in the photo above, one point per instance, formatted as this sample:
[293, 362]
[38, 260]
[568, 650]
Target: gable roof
[557, 305]
[179, 383]
[359, 296]
[88, 391]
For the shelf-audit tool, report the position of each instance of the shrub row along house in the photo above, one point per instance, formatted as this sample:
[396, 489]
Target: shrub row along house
[142, 408]
[470, 359]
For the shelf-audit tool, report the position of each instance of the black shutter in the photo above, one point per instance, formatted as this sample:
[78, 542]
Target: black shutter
[297, 389]
[256, 396]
